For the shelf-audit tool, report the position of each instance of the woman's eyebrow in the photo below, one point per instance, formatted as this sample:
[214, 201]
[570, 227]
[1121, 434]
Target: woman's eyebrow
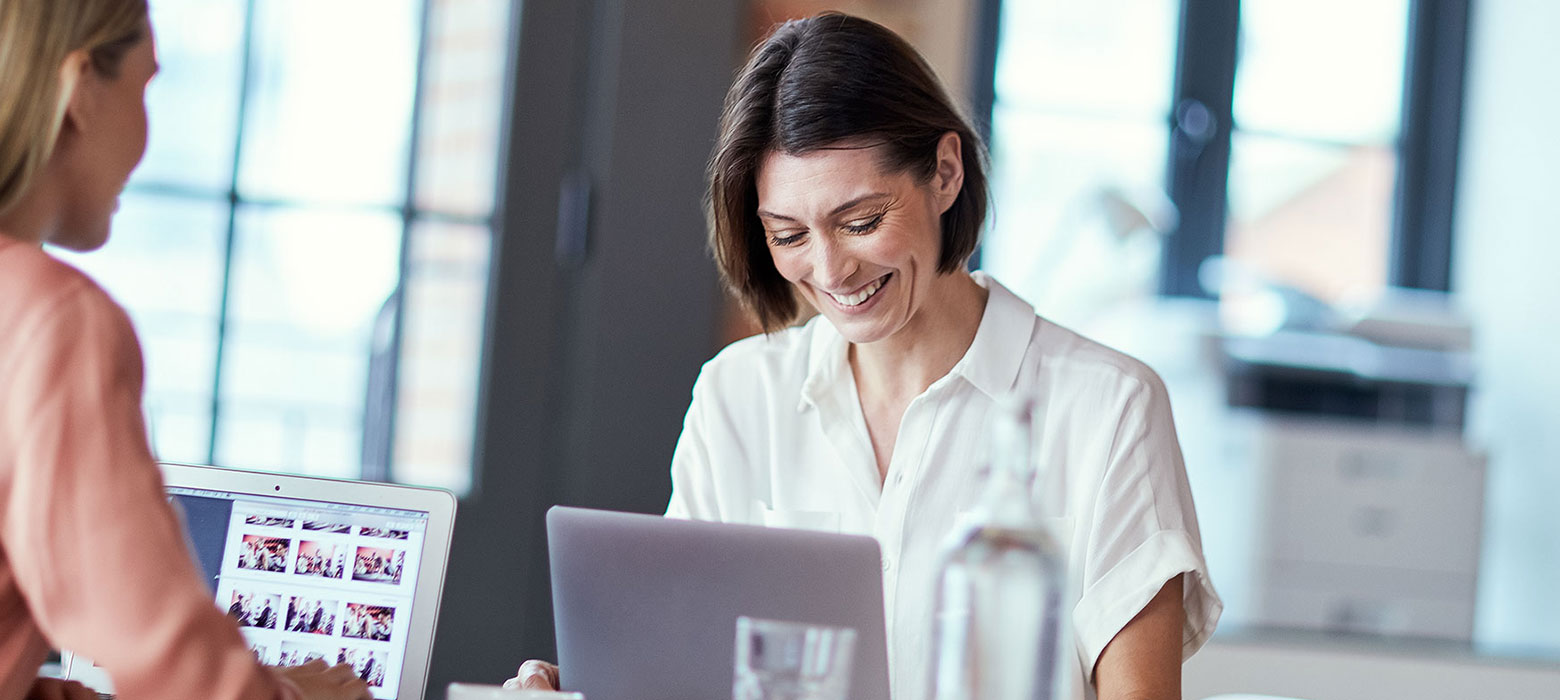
[837, 210]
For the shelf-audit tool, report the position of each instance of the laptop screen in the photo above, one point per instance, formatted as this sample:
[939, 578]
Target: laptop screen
[311, 579]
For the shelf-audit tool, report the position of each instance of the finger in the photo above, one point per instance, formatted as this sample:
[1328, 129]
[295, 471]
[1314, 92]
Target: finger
[539, 679]
[313, 665]
[347, 679]
[525, 676]
[45, 689]
[341, 673]
[550, 671]
[57, 689]
[77, 691]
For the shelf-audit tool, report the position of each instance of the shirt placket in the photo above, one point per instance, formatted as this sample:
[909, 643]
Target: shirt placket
[839, 419]
[895, 506]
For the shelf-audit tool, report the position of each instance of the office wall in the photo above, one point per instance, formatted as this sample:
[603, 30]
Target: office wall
[591, 348]
[1507, 251]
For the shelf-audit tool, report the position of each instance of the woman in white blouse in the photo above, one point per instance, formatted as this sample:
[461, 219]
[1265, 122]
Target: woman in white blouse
[845, 178]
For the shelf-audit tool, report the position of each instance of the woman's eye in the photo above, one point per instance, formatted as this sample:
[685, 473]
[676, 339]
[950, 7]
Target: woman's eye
[865, 225]
[776, 239]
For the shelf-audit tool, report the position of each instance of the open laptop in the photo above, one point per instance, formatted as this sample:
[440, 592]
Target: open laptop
[347, 571]
[645, 607]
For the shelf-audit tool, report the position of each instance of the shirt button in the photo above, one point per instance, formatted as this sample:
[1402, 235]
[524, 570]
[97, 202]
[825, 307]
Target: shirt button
[887, 564]
[899, 478]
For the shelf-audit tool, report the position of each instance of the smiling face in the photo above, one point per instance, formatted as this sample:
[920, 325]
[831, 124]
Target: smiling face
[102, 142]
[861, 243]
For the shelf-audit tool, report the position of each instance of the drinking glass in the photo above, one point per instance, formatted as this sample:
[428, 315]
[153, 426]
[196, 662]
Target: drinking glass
[779, 660]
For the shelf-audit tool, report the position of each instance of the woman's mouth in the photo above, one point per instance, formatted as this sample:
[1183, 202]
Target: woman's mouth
[860, 297]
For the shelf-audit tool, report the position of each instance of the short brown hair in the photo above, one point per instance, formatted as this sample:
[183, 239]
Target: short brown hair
[36, 36]
[815, 83]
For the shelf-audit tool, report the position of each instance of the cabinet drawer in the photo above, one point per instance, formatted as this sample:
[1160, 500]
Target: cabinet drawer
[1369, 496]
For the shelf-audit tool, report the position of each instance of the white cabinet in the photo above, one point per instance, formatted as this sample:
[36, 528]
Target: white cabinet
[1362, 527]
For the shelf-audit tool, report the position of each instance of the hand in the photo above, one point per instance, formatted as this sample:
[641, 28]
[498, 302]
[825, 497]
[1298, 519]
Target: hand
[320, 682]
[534, 675]
[56, 689]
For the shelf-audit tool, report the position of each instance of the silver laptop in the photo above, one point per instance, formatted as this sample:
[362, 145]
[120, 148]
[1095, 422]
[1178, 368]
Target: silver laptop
[646, 607]
[345, 571]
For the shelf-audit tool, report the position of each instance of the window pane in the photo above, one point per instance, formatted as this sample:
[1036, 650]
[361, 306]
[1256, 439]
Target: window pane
[441, 350]
[1081, 119]
[1325, 69]
[163, 263]
[308, 286]
[1051, 179]
[193, 102]
[1104, 57]
[463, 88]
[330, 105]
[1311, 216]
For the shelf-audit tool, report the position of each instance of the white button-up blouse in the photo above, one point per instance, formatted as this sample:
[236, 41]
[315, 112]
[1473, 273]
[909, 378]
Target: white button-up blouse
[775, 436]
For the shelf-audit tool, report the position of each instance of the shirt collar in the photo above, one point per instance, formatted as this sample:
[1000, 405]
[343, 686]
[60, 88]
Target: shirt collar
[827, 361]
[990, 364]
[994, 358]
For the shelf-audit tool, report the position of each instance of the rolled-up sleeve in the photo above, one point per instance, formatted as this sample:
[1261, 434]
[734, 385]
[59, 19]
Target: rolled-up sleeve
[1144, 532]
[92, 543]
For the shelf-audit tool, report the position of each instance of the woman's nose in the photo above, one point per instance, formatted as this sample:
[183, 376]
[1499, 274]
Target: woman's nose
[833, 265]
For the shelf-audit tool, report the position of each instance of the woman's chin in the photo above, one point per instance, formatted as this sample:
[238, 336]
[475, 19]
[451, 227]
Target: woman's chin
[860, 330]
[80, 242]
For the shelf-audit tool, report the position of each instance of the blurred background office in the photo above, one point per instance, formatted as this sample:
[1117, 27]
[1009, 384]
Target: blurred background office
[460, 243]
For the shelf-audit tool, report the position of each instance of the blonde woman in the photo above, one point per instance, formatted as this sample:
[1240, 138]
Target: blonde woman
[91, 557]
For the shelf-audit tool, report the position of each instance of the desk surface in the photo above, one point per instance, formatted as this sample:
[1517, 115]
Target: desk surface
[1317, 666]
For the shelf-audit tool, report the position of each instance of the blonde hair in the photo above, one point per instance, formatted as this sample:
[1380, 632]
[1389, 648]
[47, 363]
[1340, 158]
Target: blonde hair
[36, 39]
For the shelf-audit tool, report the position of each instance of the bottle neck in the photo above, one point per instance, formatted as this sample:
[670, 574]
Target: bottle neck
[1007, 499]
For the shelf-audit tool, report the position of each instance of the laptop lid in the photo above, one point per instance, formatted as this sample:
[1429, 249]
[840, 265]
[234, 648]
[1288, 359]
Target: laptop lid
[645, 607]
[347, 571]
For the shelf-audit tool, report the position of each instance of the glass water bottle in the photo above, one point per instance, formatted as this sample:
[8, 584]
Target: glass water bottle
[998, 622]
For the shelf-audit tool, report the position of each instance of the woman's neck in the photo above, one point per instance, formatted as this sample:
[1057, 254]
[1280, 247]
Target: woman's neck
[28, 220]
[936, 338]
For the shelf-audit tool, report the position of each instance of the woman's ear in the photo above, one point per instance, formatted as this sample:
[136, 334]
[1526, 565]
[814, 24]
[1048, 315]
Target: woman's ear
[75, 102]
[948, 180]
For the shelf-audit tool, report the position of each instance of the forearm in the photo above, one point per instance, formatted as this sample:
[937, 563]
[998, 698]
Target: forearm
[1143, 661]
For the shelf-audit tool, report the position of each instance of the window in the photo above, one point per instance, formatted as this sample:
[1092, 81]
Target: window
[1081, 116]
[1313, 156]
[305, 248]
[1292, 138]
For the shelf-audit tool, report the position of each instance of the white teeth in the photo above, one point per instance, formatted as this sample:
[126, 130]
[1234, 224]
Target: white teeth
[859, 297]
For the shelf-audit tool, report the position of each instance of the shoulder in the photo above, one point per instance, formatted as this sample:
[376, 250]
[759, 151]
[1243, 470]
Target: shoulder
[42, 297]
[767, 363]
[31, 279]
[1071, 363]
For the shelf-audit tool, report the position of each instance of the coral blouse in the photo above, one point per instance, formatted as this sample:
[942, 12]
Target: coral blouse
[91, 555]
